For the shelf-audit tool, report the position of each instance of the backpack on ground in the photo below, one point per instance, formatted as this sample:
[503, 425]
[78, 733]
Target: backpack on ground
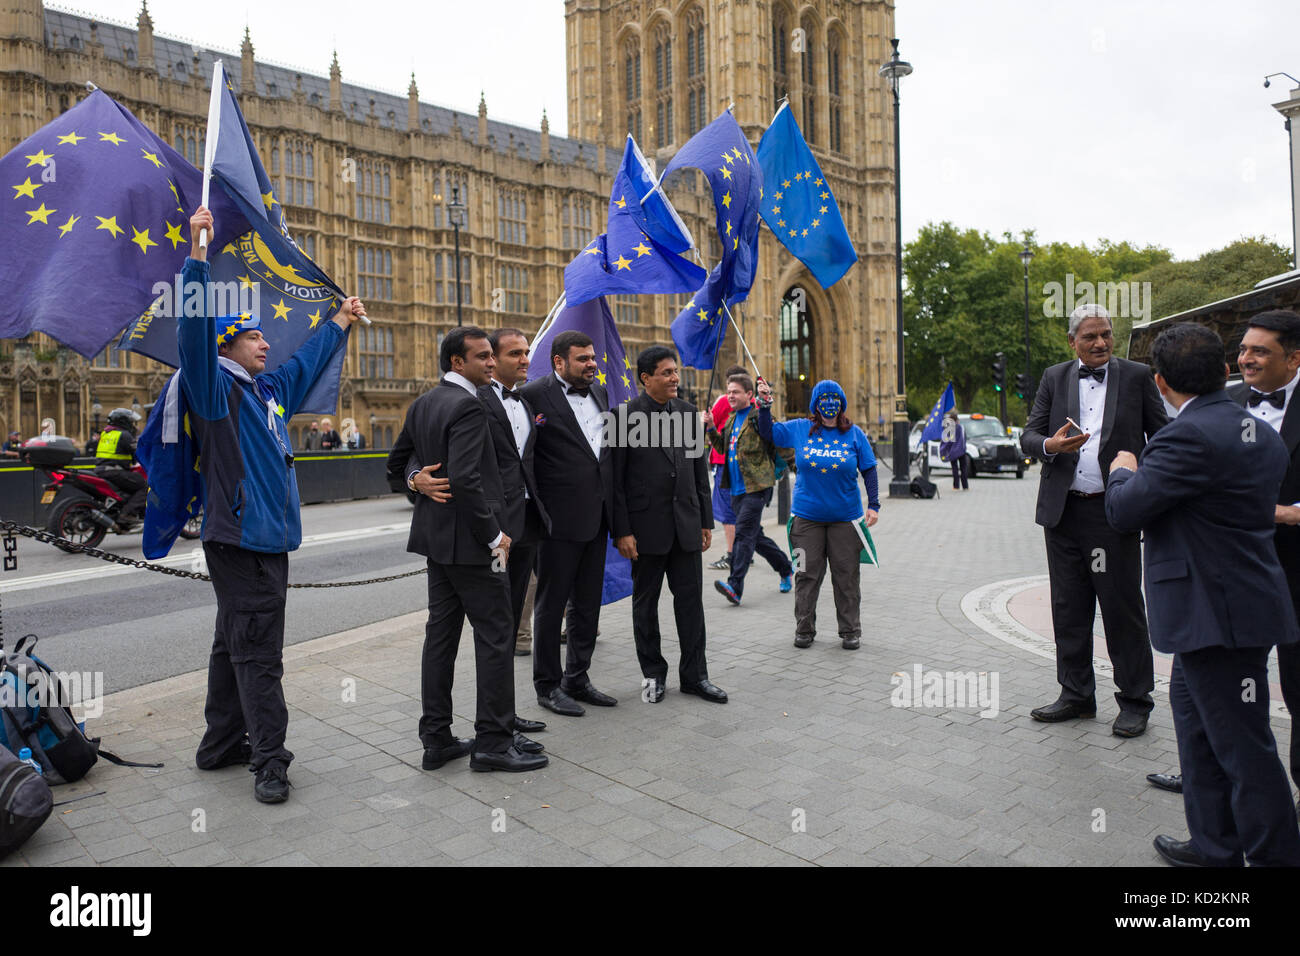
[923, 487]
[35, 712]
[25, 802]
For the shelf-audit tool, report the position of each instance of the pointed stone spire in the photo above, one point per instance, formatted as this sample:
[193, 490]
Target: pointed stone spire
[546, 139]
[336, 85]
[482, 118]
[247, 80]
[144, 37]
[413, 106]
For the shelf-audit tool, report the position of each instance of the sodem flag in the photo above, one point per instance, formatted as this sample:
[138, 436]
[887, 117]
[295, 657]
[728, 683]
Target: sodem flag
[797, 204]
[934, 421]
[262, 271]
[94, 214]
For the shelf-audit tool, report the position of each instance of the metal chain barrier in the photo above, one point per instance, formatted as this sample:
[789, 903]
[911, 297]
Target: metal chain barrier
[11, 528]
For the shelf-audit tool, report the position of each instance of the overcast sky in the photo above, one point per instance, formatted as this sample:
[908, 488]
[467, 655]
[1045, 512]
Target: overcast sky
[1144, 120]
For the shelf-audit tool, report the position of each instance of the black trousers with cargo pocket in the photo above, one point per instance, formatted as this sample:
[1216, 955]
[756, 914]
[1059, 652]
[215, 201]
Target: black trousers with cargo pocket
[247, 663]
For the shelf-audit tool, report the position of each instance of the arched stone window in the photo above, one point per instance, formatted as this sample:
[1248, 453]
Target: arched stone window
[697, 116]
[632, 85]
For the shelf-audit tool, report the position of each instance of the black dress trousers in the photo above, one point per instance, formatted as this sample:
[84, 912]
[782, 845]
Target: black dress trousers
[685, 573]
[567, 570]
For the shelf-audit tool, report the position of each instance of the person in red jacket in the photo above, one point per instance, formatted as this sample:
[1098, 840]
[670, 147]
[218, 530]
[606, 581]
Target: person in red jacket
[722, 512]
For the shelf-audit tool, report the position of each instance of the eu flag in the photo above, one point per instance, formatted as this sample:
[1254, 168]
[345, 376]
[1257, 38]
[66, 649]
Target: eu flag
[615, 371]
[799, 207]
[98, 215]
[638, 252]
[722, 153]
[934, 421]
[263, 267]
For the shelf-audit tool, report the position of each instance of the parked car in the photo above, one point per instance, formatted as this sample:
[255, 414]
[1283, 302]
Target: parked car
[989, 449]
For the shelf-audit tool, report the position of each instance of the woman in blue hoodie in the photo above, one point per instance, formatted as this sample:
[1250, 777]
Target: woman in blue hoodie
[830, 452]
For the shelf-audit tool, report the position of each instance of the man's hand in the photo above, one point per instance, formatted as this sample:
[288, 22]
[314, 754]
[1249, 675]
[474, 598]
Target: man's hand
[1286, 514]
[626, 546]
[764, 393]
[706, 537]
[350, 311]
[1064, 441]
[202, 219]
[1124, 459]
[872, 518]
[707, 418]
[502, 551]
[439, 489]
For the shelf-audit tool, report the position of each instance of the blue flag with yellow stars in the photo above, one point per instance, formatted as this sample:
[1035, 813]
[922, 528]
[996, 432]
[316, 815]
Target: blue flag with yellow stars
[262, 271]
[92, 217]
[722, 153]
[638, 252]
[934, 421]
[617, 373]
[798, 206]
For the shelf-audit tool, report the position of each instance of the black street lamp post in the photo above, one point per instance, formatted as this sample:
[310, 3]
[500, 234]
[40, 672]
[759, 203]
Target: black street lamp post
[1026, 256]
[456, 214]
[900, 486]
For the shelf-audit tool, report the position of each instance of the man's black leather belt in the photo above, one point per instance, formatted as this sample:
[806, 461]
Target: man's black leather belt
[1087, 494]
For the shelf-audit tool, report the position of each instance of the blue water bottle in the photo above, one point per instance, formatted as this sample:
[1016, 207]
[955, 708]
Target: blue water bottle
[25, 756]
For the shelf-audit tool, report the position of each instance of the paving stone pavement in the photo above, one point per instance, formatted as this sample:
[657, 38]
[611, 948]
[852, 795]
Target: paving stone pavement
[809, 763]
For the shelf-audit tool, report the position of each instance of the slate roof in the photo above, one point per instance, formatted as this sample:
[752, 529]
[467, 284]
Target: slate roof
[175, 58]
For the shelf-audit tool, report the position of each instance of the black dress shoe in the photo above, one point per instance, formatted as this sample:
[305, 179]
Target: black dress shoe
[435, 757]
[528, 746]
[1129, 724]
[851, 643]
[1173, 782]
[558, 702]
[513, 760]
[591, 695]
[525, 726]
[803, 640]
[1064, 709]
[654, 690]
[1178, 852]
[272, 784]
[240, 754]
[706, 689]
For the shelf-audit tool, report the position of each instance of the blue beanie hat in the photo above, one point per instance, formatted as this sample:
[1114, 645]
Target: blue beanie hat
[828, 399]
[229, 326]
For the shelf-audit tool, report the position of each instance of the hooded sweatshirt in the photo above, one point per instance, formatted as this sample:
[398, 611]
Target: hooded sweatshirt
[828, 462]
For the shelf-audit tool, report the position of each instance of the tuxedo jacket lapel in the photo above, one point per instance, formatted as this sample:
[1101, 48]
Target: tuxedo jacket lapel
[560, 399]
[1290, 430]
[1114, 376]
[1071, 387]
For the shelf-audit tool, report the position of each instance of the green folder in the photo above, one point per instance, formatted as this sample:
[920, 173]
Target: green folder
[868, 554]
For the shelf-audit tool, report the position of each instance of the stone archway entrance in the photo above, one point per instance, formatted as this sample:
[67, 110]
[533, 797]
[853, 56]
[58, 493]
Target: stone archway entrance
[798, 351]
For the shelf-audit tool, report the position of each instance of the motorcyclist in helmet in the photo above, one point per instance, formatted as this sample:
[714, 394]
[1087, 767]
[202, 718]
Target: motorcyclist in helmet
[115, 454]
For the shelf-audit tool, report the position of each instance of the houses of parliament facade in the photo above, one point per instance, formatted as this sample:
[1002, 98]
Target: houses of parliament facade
[365, 178]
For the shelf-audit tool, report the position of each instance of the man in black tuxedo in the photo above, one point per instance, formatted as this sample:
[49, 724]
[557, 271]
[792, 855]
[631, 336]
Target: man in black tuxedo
[1115, 403]
[1269, 360]
[575, 477]
[468, 553]
[1204, 492]
[510, 421]
[663, 521]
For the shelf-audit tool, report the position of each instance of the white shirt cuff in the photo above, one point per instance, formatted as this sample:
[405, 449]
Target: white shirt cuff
[497, 540]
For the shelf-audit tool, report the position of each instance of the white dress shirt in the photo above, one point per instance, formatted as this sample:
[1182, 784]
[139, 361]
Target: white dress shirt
[588, 414]
[520, 426]
[1092, 411]
[457, 379]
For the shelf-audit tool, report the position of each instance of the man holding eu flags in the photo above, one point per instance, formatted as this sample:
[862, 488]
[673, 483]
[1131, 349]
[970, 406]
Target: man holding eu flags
[236, 412]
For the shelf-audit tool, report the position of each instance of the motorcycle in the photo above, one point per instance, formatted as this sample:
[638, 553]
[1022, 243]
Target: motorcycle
[84, 506]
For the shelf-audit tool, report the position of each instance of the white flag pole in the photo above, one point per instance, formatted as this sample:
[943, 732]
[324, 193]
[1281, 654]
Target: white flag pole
[742, 340]
[210, 144]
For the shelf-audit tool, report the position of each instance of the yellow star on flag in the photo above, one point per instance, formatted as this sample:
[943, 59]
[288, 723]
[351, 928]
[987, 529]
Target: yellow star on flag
[593, 251]
[627, 363]
[174, 234]
[822, 210]
[621, 202]
[27, 189]
[776, 210]
[623, 263]
[601, 376]
[67, 226]
[111, 138]
[735, 243]
[781, 222]
[152, 157]
[281, 310]
[605, 358]
[785, 184]
[816, 223]
[315, 318]
[642, 249]
[805, 232]
[817, 182]
[704, 316]
[738, 153]
[728, 227]
[172, 186]
[72, 139]
[798, 176]
[39, 159]
[626, 383]
[727, 157]
[792, 232]
[142, 239]
[726, 200]
[826, 195]
[268, 199]
[110, 224]
[42, 214]
[245, 281]
[778, 195]
[726, 173]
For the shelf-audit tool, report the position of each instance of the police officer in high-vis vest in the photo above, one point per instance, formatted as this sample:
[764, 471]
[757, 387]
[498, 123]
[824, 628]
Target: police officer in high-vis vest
[114, 456]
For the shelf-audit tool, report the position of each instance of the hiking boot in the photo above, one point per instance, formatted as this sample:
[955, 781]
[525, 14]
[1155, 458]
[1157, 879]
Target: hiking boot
[272, 784]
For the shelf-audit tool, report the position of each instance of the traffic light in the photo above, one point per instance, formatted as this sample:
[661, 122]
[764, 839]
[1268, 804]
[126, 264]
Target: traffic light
[1022, 385]
[1000, 372]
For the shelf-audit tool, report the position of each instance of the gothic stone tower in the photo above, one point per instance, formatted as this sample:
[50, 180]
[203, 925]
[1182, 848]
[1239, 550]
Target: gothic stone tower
[664, 70]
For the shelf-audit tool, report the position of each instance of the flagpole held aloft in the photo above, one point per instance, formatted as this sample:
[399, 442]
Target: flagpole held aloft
[210, 143]
[736, 326]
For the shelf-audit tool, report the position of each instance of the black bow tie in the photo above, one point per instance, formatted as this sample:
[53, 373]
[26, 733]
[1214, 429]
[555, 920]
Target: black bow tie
[1276, 399]
[1099, 373]
[585, 391]
[510, 393]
